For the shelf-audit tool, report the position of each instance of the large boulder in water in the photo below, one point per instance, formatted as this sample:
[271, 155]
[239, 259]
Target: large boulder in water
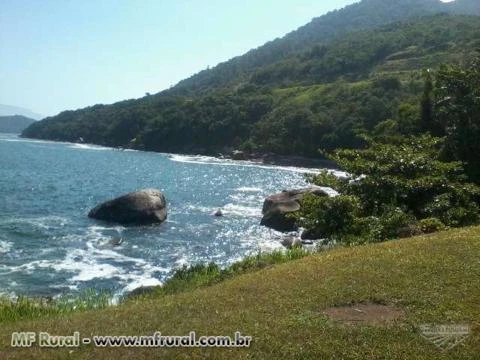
[277, 207]
[142, 207]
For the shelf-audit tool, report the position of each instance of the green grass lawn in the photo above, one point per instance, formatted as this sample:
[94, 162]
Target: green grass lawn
[434, 279]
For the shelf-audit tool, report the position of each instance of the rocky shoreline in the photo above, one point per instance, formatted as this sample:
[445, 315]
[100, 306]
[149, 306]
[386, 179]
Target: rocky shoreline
[254, 157]
[280, 160]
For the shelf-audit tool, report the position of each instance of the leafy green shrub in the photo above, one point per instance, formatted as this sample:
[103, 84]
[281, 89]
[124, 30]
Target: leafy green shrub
[396, 223]
[394, 184]
[462, 216]
[457, 208]
[409, 175]
[431, 225]
[392, 224]
[367, 229]
[326, 178]
[328, 216]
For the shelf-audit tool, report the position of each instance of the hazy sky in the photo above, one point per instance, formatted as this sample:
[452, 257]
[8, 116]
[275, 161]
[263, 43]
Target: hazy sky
[66, 54]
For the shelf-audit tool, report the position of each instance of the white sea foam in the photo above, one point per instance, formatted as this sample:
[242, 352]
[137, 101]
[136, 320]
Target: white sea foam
[248, 199]
[93, 262]
[135, 284]
[89, 147]
[5, 246]
[270, 246]
[43, 222]
[202, 209]
[96, 229]
[182, 261]
[196, 159]
[208, 160]
[249, 189]
[27, 268]
[102, 271]
[10, 295]
[25, 140]
[254, 239]
[240, 210]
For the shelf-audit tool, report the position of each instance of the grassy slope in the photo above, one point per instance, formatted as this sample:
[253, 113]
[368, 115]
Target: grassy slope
[435, 278]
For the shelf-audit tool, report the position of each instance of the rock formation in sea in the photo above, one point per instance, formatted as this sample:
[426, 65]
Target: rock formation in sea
[276, 208]
[142, 207]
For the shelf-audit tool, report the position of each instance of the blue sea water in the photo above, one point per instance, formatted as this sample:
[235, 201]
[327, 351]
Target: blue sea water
[48, 245]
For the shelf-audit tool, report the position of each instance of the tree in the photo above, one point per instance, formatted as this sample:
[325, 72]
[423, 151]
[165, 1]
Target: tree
[395, 185]
[457, 108]
[427, 123]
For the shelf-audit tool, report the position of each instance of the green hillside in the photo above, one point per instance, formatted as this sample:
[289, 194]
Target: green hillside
[320, 98]
[364, 15]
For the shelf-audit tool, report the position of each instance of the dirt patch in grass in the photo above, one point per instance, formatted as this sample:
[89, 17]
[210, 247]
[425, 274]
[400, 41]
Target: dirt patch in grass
[365, 314]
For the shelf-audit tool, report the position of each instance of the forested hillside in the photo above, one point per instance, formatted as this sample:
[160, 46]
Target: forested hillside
[321, 98]
[364, 15]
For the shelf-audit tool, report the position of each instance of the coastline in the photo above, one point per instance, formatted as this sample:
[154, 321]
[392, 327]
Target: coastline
[255, 158]
[240, 208]
[293, 161]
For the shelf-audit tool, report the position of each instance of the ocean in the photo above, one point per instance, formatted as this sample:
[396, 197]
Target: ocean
[49, 247]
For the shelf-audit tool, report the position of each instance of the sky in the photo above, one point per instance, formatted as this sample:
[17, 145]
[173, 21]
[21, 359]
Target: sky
[60, 55]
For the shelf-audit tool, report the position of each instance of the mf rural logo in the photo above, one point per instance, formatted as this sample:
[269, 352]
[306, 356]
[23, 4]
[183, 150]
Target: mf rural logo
[445, 337]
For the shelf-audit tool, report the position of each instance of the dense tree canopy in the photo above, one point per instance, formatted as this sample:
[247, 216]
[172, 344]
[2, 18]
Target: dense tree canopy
[457, 113]
[393, 189]
[325, 97]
